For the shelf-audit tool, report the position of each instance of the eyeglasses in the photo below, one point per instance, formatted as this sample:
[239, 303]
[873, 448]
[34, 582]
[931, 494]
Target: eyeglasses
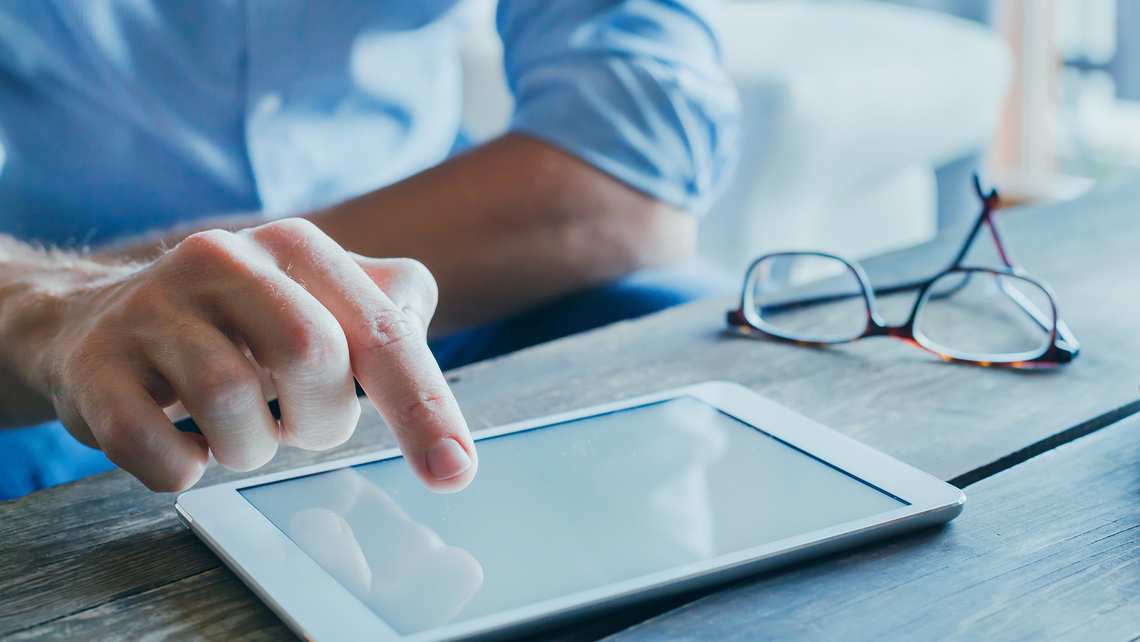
[979, 315]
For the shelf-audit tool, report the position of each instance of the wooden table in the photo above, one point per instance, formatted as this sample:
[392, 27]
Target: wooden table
[1045, 546]
[1047, 549]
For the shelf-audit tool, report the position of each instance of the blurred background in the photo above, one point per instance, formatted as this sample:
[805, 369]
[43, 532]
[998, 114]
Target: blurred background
[863, 120]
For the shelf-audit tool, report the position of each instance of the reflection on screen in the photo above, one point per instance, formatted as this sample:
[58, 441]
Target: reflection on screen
[561, 509]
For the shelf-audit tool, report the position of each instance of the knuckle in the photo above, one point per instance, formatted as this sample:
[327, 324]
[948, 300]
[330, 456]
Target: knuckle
[423, 280]
[414, 270]
[313, 344]
[210, 246]
[423, 408]
[223, 384]
[387, 329]
[203, 257]
[288, 231]
[123, 440]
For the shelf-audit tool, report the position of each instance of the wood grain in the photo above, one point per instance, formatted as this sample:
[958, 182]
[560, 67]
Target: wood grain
[174, 611]
[106, 543]
[1049, 549]
[946, 419]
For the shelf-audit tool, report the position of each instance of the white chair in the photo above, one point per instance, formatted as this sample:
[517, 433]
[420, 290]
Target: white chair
[848, 108]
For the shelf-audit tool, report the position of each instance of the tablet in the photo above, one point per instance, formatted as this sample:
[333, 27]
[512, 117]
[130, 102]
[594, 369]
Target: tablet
[571, 513]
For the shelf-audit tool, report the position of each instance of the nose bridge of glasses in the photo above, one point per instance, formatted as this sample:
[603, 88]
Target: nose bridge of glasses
[880, 329]
[894, 307]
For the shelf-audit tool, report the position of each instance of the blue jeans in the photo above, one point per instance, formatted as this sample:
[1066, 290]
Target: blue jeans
[41, 456]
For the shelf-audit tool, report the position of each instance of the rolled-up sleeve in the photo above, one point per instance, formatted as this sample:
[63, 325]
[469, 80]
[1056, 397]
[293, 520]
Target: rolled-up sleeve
[634, 87]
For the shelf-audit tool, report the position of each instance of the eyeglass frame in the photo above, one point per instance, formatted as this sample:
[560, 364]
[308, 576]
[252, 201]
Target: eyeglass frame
[1062, 347]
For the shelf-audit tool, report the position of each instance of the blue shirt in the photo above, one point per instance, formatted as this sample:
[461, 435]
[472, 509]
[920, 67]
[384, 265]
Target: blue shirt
[118, 116]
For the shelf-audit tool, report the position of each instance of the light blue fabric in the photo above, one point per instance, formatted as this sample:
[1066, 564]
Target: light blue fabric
[118, 116]
[634, 87]
[42, 456]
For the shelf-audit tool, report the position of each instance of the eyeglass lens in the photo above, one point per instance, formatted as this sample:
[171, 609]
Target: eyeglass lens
[808, 297]
[978, 314]
[982, 313]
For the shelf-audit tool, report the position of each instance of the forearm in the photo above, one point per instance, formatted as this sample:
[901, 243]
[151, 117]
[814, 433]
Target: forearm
[505, 226]
[32, 281]
[511, 224]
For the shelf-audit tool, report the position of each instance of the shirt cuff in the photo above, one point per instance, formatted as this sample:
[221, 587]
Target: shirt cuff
[665, 130]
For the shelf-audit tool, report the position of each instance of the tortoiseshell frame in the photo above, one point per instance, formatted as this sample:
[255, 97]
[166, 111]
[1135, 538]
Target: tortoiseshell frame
[1061, 348]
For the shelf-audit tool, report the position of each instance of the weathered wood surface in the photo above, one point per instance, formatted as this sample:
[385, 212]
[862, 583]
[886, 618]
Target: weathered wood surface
[948, 420]
[1047, 550]
[93, 557]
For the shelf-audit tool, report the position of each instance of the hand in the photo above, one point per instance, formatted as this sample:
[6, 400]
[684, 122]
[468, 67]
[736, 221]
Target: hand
[195, 325]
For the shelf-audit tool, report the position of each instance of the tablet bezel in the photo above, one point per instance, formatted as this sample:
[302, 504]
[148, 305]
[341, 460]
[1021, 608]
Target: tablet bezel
[299, 591]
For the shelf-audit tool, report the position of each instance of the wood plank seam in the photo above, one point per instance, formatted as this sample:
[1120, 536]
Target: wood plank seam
[1025, 454]
[1045, 445]
[1071, 550]
[179, 621]
[962, 481]
[142, 590]
[876, 393]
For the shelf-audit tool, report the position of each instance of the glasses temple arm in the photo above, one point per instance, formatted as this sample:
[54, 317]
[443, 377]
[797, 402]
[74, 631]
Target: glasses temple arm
[988, 202]
[1025, 304]
[1042, 320]
[1002, 249]
[1067, 337]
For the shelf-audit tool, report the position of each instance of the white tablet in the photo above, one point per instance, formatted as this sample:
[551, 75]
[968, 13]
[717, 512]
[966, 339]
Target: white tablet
[568, 513]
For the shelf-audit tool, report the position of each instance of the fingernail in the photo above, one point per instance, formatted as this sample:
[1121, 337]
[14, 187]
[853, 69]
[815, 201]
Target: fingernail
[447, 459]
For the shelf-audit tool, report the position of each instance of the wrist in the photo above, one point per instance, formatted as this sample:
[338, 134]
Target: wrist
[38, 294]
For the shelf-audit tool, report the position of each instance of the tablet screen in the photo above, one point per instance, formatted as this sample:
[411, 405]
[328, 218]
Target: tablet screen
[561, 509]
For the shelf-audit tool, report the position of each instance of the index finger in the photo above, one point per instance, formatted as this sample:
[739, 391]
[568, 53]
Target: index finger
[388, 354]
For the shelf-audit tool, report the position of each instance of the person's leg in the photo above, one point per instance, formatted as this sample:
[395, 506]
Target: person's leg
[632, 296]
